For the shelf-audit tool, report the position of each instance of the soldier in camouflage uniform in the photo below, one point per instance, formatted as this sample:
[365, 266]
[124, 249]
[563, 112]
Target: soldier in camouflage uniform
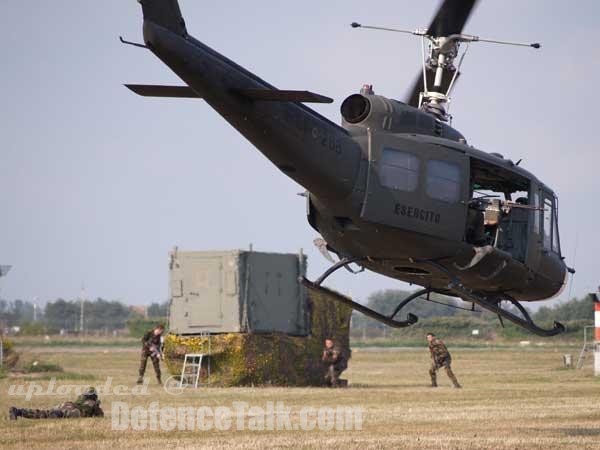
[151, 348]
[335, 363]
[440, 358]
[86, 405]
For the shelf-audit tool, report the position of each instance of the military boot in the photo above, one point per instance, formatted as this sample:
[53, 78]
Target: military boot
[159, 380]
[433, 379]
[453, 379]
[13, 413]
[140, 380]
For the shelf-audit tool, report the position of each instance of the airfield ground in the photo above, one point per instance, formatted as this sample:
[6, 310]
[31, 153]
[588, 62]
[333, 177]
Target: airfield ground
[512, 398]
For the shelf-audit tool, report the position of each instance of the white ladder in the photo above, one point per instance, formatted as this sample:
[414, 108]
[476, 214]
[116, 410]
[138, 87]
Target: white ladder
[190, 372]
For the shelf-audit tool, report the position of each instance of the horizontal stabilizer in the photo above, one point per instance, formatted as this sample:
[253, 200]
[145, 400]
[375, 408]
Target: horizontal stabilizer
[149, 90]
[267, 95]
[273, 95]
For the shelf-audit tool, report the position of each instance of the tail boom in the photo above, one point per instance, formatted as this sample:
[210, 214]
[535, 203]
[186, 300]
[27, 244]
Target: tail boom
[315, 152]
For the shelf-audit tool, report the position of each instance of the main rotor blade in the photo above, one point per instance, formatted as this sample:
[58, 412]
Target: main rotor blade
[451, 17]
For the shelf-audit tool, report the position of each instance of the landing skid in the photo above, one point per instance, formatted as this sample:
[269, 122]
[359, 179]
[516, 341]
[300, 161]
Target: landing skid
[493, 305]
[454, 287]
[389, 321]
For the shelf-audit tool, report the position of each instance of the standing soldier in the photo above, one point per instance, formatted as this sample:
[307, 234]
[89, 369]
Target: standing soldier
[151, 347]
[335, 363]
[86, 405]
[440, 358]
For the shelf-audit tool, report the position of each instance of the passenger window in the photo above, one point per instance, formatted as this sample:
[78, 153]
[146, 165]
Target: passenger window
[399, 170]
[547, 223]
[443, 181]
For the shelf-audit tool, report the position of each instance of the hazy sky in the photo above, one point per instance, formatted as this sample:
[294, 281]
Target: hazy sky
[97, 184]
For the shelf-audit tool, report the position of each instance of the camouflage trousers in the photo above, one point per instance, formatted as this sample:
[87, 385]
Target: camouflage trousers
[155, 362]
[332, 374]
[66, 410]
[446, 364]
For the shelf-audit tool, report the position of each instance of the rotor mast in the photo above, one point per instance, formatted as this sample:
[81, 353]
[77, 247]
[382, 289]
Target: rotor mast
[442, 52]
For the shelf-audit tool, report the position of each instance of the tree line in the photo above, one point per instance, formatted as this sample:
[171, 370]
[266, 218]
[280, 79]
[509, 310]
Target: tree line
[574, 310]
[103, 315]
[62, 315]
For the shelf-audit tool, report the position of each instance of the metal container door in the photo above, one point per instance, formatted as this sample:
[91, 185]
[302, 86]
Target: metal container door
[203, 292]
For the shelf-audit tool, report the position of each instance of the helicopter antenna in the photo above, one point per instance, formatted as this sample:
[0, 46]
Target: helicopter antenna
[439, 62]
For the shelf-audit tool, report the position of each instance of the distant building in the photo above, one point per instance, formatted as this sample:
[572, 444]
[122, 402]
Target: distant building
[139, 310]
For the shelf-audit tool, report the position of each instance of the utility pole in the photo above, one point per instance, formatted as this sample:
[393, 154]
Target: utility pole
[81, 303]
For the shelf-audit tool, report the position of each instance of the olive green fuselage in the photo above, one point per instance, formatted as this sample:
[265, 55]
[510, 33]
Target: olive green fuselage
[348, 204]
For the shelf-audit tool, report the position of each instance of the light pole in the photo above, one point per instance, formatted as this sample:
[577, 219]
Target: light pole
[35, 306]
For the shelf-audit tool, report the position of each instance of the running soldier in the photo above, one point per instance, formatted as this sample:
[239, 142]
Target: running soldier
[335, 363]
[440, 358]
[151, 348]
[86, 405]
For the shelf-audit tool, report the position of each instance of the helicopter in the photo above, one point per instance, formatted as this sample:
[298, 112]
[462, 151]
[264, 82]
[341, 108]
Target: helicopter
[394, 189]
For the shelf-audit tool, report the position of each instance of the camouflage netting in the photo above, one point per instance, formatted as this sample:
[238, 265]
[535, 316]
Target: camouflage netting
[9, 356]
[241, 359]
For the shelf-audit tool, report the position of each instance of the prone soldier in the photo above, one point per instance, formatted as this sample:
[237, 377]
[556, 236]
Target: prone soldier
[440, 358]
[151, 348]
[335, 363]
[86, 405]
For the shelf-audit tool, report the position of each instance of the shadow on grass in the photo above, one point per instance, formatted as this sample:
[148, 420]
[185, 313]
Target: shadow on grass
[56, 376]
[581, 431]
[385, 386]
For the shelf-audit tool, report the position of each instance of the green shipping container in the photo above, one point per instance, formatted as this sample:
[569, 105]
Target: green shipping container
[237, 292]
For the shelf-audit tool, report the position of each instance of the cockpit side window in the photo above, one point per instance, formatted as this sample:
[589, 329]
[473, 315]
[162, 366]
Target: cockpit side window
[547, 214]
[550, 223]
[555, 237]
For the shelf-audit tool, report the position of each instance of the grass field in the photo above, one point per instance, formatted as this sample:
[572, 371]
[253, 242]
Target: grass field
[512, 398]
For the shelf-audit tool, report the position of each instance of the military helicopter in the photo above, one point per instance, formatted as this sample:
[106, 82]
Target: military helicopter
[395, 189]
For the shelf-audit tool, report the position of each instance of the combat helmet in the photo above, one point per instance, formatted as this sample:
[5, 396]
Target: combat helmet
[90, 393]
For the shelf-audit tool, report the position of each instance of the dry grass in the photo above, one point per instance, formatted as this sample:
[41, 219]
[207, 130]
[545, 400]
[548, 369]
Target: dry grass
[513, 398]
